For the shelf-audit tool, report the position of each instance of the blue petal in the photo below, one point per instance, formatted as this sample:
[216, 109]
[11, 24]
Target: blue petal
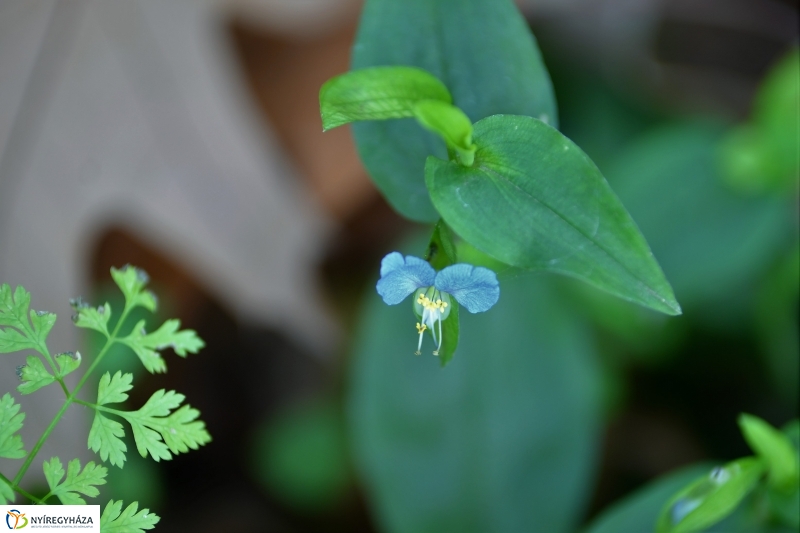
[475, 288]
[400, 277]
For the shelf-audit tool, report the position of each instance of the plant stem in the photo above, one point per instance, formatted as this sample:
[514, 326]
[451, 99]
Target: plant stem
[111, 340]
[40, 443]
[42, 349]
[101, 408]
[24, 492]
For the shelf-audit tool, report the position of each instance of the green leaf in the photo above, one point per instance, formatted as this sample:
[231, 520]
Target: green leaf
[377, 93]
[710, 498]
[792, 431]
[131, 281]
[147, 346]
[167, 336]
[441, 250]
[460, 42]
[451, 124]
[43, 322]
[90, 317]
[14, 312]
[150, 358]
[114, 390]
[533, 199]
[77, 482]
[761, 155]
[11, 420]
[441, 253]
[68, 362]
[775, 449]
[786, 507]
[504, 440]
[637, 512]
[12, 340]
[34, 375]
[14, 307]
[105, 438]
[114, 520]
[158, 432]
[6, 493]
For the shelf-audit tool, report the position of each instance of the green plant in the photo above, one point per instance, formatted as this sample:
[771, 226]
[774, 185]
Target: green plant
[161, 428]
[455, 119]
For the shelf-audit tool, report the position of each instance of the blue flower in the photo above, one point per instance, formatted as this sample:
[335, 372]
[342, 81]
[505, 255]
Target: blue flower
[475, 288]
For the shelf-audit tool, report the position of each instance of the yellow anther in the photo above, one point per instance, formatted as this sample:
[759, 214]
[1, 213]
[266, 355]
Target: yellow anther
[436, 353]
[421, 327]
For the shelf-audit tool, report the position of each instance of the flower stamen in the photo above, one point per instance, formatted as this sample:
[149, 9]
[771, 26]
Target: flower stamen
[431, 306]
[420, 329]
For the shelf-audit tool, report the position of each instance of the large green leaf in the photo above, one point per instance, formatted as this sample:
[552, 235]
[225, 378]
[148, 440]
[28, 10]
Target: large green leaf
[533, 199]
[503, 439]
[484, 53]
[710, 241]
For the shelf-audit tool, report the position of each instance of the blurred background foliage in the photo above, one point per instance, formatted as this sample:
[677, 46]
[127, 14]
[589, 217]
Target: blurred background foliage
[562, 405]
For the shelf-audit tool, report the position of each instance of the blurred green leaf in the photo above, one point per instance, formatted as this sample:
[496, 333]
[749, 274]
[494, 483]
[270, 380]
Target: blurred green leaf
[533, 199]
[301, 456]
[377, 93]
[764, 154]
[792, 431]
[90, 317]
[131, 281]
[776, 324]
[147, 346]
[786, 506]
[775, 449]
[504, 439]
[459, 42]
[637, 512]
[710, 241]
[710, 498]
